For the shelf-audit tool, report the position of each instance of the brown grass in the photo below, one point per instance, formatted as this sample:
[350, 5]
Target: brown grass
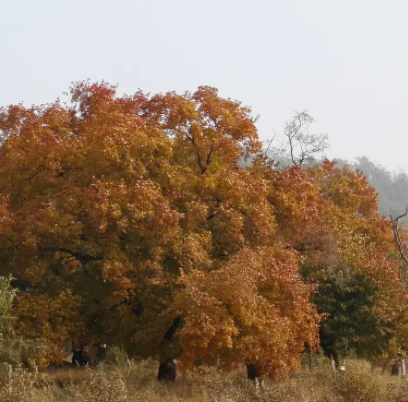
[138, 383]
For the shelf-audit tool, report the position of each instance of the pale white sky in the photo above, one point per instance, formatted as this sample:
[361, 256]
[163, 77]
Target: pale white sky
[345, 61]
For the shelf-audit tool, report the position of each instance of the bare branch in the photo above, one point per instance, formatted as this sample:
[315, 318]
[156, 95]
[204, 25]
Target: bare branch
[269, 144]
[203, 168]
[395, 228]
[208, 161]
[303, 145]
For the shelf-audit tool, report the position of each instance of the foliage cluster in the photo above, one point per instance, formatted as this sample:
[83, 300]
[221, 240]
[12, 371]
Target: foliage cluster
[14, 349]
[127, 214]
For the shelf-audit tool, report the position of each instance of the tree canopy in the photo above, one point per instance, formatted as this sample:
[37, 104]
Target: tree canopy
[126, 213]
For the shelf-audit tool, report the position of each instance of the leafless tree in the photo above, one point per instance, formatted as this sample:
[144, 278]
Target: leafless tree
[297, 145]
[303, 146]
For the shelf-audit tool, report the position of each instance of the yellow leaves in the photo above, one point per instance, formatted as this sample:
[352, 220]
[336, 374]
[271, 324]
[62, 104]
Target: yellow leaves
[256, 298]
[196, 215]
[347, 189]
[260, 224]
[227, 229]
[194, 251]
[204, 126]
[130, 201]
[114, 270]
[52, 319]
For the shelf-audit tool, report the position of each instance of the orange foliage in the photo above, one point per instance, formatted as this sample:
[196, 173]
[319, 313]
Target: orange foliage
[54, 320]
[111, 203]
[255, 308]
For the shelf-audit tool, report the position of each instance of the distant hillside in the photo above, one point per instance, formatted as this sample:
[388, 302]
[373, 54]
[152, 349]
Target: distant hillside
[392, 188]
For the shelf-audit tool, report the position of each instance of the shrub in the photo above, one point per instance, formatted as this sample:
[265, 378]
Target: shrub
[14, 350]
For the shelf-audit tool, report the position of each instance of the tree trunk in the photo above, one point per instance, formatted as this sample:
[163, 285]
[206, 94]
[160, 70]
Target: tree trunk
[167, 364]
[167, 371]
[254, 376]
[251, 372]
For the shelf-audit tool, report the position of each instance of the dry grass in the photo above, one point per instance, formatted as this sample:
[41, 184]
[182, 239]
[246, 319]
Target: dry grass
[124, 384]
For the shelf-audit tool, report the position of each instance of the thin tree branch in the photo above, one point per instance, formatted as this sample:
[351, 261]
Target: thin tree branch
[395, 228]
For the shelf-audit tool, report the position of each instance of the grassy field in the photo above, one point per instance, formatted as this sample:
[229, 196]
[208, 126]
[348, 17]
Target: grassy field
[122, 383]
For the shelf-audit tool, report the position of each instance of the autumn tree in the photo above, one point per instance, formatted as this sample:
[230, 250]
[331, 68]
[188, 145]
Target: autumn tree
[135, 222]
[113, 206]
[347, 250]
[255, 308]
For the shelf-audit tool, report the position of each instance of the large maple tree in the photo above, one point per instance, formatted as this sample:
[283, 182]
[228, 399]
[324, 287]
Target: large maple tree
[127, 214]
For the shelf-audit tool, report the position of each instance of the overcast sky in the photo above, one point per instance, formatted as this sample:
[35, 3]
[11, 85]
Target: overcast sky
[344, 61]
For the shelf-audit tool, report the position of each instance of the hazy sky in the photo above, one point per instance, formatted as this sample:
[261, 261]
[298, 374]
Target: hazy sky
[345, 61]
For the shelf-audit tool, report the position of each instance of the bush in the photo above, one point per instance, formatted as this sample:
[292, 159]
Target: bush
[358, 387]
[14, 350]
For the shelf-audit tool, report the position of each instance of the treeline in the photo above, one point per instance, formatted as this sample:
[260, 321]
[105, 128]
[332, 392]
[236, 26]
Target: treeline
[392, 187]
[139, 221]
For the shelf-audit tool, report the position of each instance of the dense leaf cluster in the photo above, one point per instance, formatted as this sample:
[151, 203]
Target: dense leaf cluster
[126, 213]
